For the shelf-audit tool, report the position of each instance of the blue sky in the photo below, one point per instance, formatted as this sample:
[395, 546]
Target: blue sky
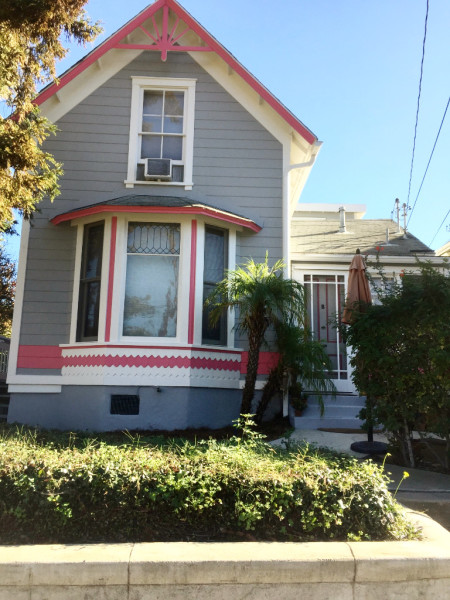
[349, 69]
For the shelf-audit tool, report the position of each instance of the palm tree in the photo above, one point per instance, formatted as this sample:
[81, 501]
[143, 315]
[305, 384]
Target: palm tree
[263, 298]
[302, 359]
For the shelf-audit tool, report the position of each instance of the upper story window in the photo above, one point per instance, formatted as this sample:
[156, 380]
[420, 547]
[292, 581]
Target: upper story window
[161, 132]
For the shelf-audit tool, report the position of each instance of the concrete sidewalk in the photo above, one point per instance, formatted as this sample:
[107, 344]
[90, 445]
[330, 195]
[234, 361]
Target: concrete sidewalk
[424, 491]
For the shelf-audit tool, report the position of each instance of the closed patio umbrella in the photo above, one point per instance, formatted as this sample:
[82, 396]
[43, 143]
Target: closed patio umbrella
[358, 296]
[358, 290]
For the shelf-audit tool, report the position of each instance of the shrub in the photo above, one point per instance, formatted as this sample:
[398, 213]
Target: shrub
[67, 489]
[401, 356]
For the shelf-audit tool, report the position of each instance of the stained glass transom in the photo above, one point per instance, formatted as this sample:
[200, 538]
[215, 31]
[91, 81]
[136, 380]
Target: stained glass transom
[153, 238]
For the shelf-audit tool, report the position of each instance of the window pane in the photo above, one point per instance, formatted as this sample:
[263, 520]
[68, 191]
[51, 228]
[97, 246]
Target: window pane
[173, 124]
[153, 102]
[214, 256]
[152, 124]
[92, 305]
[172, 148]
[215, 263]
[153, 238]
[174, 103]
[211, 334]
[151, 296]
[94, 250]
[151, 146]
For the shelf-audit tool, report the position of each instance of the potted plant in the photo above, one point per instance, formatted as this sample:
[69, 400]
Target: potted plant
[299, 400]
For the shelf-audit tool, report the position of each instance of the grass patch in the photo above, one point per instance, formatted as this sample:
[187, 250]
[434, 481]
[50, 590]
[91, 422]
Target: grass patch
[66, 488]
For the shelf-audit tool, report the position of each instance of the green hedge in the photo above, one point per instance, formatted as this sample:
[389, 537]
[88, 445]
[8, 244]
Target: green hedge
[65, 489]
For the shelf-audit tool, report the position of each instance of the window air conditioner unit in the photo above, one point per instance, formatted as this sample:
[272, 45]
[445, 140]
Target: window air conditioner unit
[158, 168]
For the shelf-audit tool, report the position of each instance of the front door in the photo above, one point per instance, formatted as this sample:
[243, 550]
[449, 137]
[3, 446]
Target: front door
[325, 296]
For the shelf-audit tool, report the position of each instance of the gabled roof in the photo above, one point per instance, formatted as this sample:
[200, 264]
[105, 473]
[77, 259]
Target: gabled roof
[168, 36]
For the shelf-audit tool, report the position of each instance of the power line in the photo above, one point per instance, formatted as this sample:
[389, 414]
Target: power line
[429, 160]
[418, 102]
[439, 228]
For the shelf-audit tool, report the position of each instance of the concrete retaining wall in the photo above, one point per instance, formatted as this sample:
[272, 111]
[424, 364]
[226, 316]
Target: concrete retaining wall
[254, 571]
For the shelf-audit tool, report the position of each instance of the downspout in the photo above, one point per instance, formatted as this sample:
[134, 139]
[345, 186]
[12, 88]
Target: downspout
[286, 230]
[286, 205]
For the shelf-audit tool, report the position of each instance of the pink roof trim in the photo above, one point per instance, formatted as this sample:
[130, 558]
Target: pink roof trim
[114, 40]
[163, 210]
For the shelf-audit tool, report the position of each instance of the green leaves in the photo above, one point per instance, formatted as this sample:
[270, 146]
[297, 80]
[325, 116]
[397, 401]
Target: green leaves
[63, 493]
[30, 34]
[263, 298]
[401, 356]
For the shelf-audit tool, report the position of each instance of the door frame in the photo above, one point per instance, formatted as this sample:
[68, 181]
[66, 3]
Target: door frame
[298, 273]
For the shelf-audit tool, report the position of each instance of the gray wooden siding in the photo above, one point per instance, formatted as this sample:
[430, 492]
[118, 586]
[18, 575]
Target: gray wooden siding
[237, 166]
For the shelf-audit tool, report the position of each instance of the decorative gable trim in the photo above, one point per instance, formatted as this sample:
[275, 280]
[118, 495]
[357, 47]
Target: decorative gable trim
[166, 40]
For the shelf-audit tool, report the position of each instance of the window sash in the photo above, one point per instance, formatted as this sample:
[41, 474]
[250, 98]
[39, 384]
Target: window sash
[215, 265]
[179, 146]
[152, 280]
[90, 282]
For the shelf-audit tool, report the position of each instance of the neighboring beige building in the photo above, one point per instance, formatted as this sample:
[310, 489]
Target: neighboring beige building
[444, 250]
[324, 238]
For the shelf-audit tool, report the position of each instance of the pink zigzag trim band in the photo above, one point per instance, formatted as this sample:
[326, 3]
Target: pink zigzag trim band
[49, 357]
[157, 362]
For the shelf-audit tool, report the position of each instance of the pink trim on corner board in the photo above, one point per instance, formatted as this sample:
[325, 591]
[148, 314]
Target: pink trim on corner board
[267, 360]
[192, 282]
[39, 357]
[112, 259]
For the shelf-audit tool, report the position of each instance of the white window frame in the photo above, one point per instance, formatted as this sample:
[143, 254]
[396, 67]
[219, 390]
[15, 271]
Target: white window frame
[139, 85]
[103, 280]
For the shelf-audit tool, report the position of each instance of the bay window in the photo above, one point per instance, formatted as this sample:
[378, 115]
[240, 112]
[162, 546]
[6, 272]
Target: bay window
[158, 269]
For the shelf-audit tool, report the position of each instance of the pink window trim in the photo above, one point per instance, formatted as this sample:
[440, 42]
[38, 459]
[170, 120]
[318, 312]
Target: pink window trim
[112, 259]
[191, 324]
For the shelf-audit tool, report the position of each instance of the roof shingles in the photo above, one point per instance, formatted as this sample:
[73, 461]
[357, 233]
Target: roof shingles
[323, 237]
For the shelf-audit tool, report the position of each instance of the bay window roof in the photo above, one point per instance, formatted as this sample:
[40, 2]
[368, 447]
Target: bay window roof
[158, 205]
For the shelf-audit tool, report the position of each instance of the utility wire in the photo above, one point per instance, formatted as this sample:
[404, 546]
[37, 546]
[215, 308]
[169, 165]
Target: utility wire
[429, 160]
[418, 101]
[439, 228]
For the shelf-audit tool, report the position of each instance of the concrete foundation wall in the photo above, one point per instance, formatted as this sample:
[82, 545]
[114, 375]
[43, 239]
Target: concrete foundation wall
[251, 571]
[88, 408]
[168, 408]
